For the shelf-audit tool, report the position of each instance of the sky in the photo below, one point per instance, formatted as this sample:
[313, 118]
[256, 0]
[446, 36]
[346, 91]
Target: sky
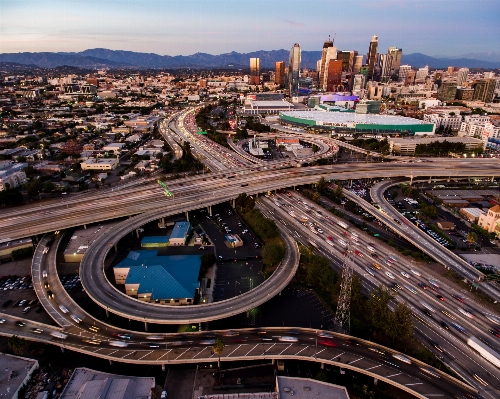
[183, 27]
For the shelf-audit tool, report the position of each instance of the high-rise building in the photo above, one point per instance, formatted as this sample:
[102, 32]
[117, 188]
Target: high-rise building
[410, 78]
[385, 67]
[294, 71]
[358, 82]
[279, 73]
[322, 67]
[462, 75]
[333, 75]
[484, 90]
[451, 70]
[422, 73]
[358, 63]
[447, 91]
[403, 70]
[254, 71]
[396, 55]
[372, 56]
[347, 58]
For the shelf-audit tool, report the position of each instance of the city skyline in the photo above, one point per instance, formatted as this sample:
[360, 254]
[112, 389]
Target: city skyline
[218, 27]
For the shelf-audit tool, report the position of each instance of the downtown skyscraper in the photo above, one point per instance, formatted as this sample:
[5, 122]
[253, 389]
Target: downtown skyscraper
[254, 71]
[294, 71]
[372, 57]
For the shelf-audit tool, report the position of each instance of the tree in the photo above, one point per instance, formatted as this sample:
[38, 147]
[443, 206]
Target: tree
[378, 312]
[272, 253]
[430, 211]
[244, 203]
[48, 187]
[472, 238]
[17, 345]
[10, 196]
[322, 185]
[316, 196]
[400, 325]
[218, 348]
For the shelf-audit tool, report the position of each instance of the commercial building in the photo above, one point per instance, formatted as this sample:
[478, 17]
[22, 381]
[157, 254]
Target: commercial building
[91, 384]
[81, 239]
[447, 91]
[294, 71]
[329, 52]
[357, 123]
[407, 146]
[180, 233]
[465, 93]
[171, 280]
[372, 57]
[484, 90]
[333, 75]
[462, 75]
[15, 373]
[444, 120]
[395, 54]
[279, 73]
[358, 63]
[268, 107]
[368, 107]
[12, 174]
[99, 164]
[347, 58]
[403, 70]
[472, 214]
[254, 71]
[488, 221]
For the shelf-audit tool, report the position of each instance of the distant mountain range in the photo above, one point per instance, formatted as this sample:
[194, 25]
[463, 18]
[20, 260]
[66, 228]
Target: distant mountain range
[104, 58]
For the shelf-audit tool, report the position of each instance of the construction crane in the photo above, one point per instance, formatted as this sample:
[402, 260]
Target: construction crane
[165, 188]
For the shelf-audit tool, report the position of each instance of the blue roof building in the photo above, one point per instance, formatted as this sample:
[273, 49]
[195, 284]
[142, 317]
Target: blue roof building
[180, 233]
[154, 241]
[169, 279]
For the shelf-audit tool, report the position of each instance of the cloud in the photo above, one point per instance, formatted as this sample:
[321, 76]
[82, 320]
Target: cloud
[293, 23]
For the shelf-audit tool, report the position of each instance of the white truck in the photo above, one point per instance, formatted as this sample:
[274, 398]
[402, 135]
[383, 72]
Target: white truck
[342, 224]
[485, 351]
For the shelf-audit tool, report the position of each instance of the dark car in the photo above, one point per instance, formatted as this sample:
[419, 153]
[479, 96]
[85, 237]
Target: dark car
[7, 303]
[444, 325]
[20, 323]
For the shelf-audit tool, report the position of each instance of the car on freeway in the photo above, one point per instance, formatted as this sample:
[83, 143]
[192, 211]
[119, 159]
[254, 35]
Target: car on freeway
[427, 312]
[329, 238]
[411, 289]
[404, 274]
[44, 274]
[490, 330]
[423, 286]
[440, 297]
[466, 313]
[457, 298]
[374, 255]
[415, 272]
[352, 342]
[26, 309]
[358, 253]
[2, 321]
[120, 344]
[122, 335]
[458, 327]
[63, 309]
[285, 338]
[327, 342]
[37, 330]
[155, 337]
[92, 341]
[401, 358]
[324, 334]
[437, 346]
[163, 395]
[390, 275]
[94, 328]
[370, 271]
[444, 325]
[76, 318]
[342, 242]
[20, 323]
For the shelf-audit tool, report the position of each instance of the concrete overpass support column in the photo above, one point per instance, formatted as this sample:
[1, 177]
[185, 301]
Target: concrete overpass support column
[110, 362]
[162, 221]
[62, 349]
[107, 313]
[145, 326]
[350, 183]
[272, 361]
[162, 367]
[85, 226]
[187, 216]
[210, 210]
[375, 381]
[322, 366]
[137, 232]
[115, 247]
[411, 180]
[430, 179]
[234, 203]
[492, 178]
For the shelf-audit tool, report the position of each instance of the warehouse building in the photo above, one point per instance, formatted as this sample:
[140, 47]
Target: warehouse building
[358, 123]
[170, 280]
[407, 146]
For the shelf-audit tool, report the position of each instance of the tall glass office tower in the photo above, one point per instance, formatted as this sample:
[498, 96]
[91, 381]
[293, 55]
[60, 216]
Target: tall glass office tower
[372, 56]
[294, 71]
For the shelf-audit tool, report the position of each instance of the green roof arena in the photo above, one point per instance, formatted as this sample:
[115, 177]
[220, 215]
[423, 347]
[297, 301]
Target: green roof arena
[358, 123]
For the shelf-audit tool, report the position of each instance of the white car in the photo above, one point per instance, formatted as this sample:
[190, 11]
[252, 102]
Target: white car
[415, 272]
[411, 289]
[464, 312]
[404, 274]
[320, 231]
[76, 318]
[390, 275]
[342, 242]
[63, 309]
[44, 274]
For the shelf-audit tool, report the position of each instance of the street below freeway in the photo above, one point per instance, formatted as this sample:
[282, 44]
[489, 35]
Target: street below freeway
[429, 310]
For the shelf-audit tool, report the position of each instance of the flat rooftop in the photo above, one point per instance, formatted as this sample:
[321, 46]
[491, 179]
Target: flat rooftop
[349, 117]
[305, 388]
[82, 238]
[180, 230]
[14, 370]
[90, 384]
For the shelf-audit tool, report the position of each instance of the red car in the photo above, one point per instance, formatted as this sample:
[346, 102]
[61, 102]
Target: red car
[358, 253]
[440, 297]
[330, 238]
[457, 298]
[327, 342]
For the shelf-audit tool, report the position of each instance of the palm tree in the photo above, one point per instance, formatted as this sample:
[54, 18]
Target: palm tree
[471, 238]
[218, 348]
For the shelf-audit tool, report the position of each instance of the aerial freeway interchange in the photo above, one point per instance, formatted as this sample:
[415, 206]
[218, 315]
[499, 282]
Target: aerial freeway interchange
[224, 184]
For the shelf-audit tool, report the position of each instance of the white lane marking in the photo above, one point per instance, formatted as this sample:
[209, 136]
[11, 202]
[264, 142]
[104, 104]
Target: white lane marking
[285, 349]
[415, 383]
[337, 356]
[317, 353]
[182, 353]
[268, 349]
[393, 375]
[252, 349]
[374, 367]
[200, 352]
[307, 346]
[234, 350]
[145, 355]
[166, 353]
[354, 361]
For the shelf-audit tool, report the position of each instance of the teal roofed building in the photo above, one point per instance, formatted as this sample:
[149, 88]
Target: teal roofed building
[171, 280]
[180, 233]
